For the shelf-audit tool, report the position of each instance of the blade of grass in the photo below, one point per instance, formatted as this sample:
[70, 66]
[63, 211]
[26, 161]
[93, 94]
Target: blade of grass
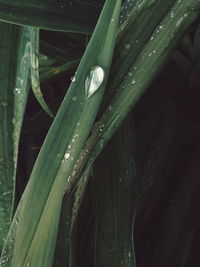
[62, 249]
[114, 191]
[79, 194]
[135, 39]
[133, 42]
[65, 254]
[131, 10]
[21, 91]
[145, 68]
[13, 95]
[35, 80]
[61, 150]
[52, 15]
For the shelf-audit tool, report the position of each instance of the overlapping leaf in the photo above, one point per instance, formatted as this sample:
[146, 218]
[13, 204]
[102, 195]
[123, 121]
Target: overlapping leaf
[14, 68]
[54, 15]
[38, 228]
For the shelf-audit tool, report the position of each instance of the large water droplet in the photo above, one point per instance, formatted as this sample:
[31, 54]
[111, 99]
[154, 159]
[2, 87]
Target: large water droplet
[93, 80]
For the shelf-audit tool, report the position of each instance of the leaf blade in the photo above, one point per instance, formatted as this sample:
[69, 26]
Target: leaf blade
[57, 15]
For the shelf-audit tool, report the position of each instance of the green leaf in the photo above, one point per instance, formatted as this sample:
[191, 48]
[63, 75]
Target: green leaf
[141, 25]
[61, 15]
[137, 80]
[35, 80]
[14, 66]
[37, 228]
[115, 194]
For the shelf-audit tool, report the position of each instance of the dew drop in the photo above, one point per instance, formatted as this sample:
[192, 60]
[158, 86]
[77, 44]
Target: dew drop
[20, 81]
[17, 91]
[93, 80]
[127, 46]
[130, 74]
[133, 81]
[74, 98]
[73, 79]
[66, 156]
[179, 21]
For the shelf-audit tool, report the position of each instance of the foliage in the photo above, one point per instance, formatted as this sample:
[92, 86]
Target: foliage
[80, 169]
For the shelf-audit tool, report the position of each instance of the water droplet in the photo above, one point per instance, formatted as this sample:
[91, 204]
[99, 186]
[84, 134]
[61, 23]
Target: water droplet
[34, 61]
[133, 81]
[74, 98]
[93, 80]
[127, 46]
[101, 143]
[179, 21]
[19, 81]
[73, 79]
[17, 91]
[66, 156]
[130, 74]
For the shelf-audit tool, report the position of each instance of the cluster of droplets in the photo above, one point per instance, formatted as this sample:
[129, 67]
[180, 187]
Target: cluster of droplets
[126, 9]
[152, 53]
[24, 66]
[18, 89]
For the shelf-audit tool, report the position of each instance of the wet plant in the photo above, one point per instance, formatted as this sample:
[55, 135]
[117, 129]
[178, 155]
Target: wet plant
[88, 130]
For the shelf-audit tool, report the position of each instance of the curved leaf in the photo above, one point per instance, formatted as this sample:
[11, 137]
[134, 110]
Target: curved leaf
[14, 66]
[61, 150]
[61, 15]
[34, 58]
